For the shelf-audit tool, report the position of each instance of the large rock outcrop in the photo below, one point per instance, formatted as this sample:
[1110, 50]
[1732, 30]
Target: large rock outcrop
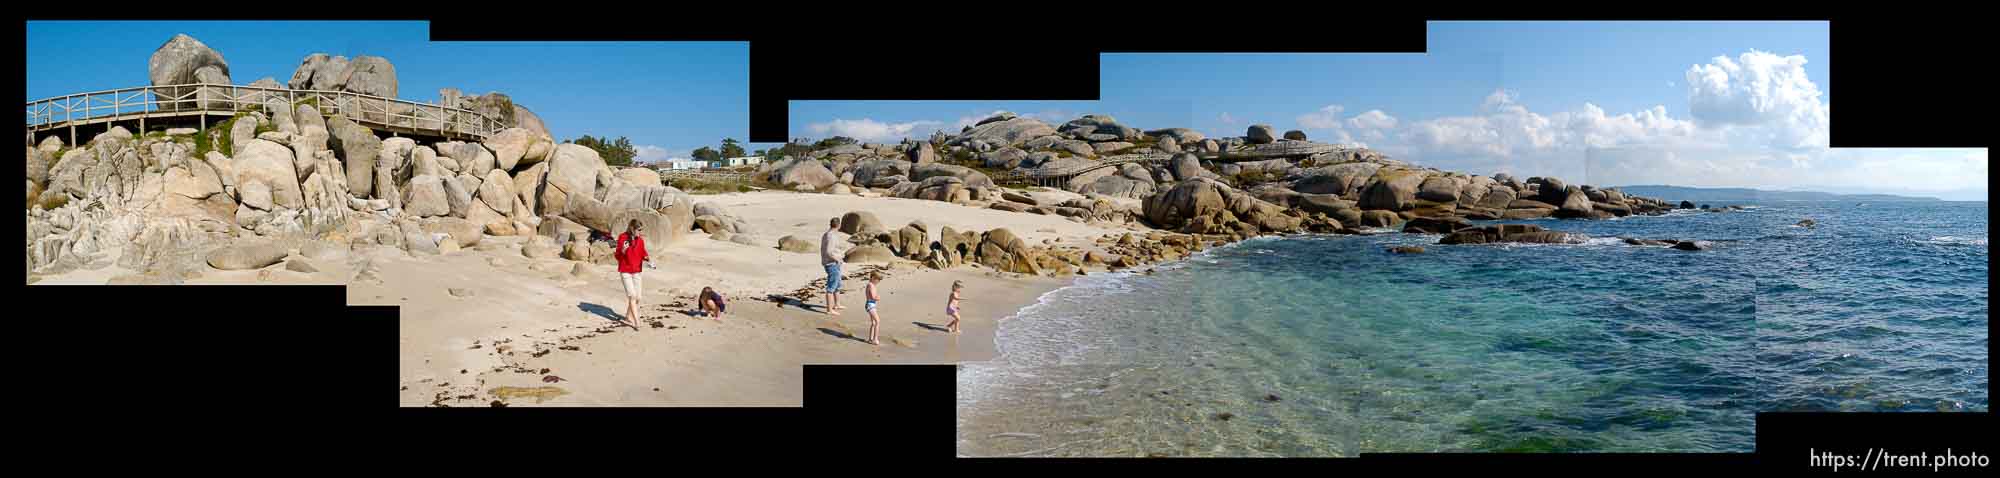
[1010, 132]
[319, 71]
[365, 74]
[176, 61]
[573, 170]
[185, 60]
[1345, 180]
[1206, 206]
[270, 166]
[1260, 134]
[499, 106]
[359, 149]
[1392, 188]
[1001, 249]
[809, 173]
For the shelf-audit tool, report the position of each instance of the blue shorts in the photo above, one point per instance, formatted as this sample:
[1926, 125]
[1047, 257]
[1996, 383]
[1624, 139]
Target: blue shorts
[833, 278]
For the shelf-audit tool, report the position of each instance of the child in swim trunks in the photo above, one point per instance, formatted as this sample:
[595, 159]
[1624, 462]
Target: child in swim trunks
[951, 306]
[874, 320]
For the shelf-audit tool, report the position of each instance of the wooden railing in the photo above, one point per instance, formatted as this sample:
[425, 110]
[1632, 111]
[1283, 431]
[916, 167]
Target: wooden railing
[210, 98]
[1027, 174]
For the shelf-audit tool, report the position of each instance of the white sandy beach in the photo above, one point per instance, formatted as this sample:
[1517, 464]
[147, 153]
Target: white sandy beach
[519, 316]
[455, 347]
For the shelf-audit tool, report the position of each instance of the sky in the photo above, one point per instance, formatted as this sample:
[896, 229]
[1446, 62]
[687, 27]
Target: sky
[667, 97]
[1710, 104]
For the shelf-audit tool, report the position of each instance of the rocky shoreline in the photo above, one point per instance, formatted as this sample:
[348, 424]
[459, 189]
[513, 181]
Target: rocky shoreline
[285, 185]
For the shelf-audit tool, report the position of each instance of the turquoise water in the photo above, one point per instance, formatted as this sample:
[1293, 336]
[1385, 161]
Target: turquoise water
[1594, 347]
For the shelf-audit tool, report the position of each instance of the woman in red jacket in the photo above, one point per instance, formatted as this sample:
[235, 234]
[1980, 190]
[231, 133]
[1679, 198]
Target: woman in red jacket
[631, 253]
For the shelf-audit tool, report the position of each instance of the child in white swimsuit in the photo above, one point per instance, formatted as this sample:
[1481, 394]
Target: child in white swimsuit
[874, 320]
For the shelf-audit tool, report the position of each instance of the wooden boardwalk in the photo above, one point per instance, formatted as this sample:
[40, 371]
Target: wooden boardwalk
[195, 103]
[1061, 176]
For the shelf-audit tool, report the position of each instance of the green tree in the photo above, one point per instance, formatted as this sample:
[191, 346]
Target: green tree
[705, 154]
[617, 152]
[732, 149]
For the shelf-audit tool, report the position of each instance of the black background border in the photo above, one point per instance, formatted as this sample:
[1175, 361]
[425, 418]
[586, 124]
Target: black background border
[284, 373]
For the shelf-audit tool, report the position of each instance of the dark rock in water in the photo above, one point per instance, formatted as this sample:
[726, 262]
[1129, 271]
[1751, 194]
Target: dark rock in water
[1687, 205]
[1691, 246]
[1435, 225]
[1272, 398]
[1407, 249]
[1548, 237]
[1224, 416]
[1807, 223]
[1704, 207]
[1522, 233]
[1647, 242]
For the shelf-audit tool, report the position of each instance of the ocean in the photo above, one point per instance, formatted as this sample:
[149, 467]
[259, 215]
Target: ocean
[1321, 345]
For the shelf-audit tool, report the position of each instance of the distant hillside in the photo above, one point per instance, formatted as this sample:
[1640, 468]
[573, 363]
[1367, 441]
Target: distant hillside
[1678, 193]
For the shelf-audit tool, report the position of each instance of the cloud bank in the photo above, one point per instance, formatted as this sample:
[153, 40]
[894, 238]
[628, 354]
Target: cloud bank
[1755, 120]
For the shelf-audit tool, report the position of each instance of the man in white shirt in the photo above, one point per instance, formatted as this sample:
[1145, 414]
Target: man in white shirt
[829, 256]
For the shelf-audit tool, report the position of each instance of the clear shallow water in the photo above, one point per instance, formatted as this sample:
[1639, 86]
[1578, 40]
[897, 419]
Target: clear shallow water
[1593, 347]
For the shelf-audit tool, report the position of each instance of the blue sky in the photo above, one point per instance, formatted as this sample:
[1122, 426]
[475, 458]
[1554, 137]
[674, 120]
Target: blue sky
[1723, 104]
[668, 97]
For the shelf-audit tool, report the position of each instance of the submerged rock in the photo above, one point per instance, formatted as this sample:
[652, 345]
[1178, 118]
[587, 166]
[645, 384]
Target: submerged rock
[1517, 233]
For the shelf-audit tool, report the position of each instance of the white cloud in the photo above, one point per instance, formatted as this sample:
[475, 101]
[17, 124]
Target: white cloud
[866, 129]
[1506, 136]
[647, 153]
[1053, 116]
[1591, 146]
[1764, 92]
[1328, 117]
[1372, 125]
[1373, 119]
[1226, 119]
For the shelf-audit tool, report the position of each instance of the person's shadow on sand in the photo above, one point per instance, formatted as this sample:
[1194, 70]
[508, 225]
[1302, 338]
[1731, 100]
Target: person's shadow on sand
[843, 335]
[600, 311]
[783, 301]
[932, 327]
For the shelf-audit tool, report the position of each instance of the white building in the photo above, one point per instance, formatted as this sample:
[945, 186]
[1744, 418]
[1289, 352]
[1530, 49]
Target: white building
[682, 163]
[743, 161]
